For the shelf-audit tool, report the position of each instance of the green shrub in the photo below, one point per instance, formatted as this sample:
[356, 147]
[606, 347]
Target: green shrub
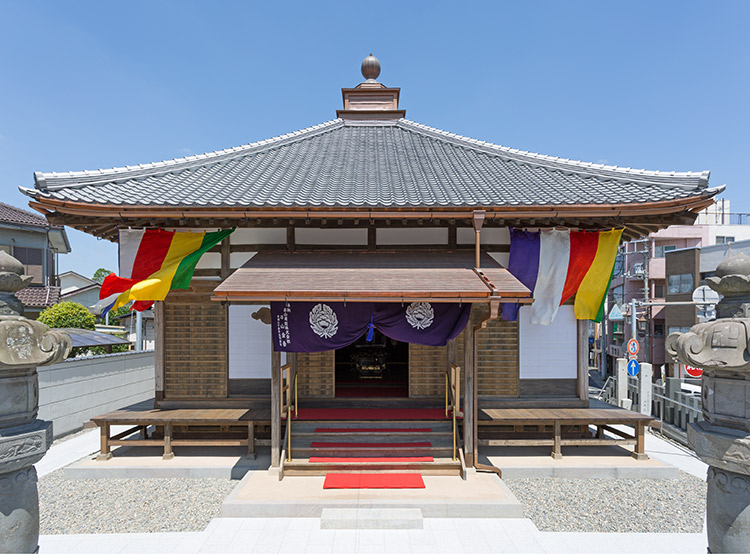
[68, 314]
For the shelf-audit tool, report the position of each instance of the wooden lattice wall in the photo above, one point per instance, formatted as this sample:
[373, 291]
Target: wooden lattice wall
[497, 358]
[316, 374]
[195, 349]
[427, 365]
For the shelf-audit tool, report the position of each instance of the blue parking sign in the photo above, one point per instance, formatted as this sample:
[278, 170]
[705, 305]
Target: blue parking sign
[633, 367]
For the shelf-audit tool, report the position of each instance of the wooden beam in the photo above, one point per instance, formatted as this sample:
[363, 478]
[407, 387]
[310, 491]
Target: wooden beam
[275, 409]
[583, 360]
[372, 238]
[225, 258]
[290, 239]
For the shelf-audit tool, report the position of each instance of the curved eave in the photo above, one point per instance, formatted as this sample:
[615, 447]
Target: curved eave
[625, 210]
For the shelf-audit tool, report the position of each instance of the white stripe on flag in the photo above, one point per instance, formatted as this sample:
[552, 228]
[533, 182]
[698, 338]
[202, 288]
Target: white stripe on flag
[130, 241]
[100, 306]
[554, 255]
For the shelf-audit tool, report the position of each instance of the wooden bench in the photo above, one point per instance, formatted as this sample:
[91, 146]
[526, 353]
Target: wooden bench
[602, 418]
[168, 419]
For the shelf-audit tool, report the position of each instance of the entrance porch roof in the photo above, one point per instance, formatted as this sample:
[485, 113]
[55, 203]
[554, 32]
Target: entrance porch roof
[371, 277]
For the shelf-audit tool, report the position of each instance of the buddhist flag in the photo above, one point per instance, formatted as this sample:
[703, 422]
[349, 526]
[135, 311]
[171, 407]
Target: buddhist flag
[555, 265]
[153, 262]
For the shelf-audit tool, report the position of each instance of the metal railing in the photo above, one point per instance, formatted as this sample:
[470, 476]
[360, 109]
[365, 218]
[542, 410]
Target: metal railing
[453, 399]
[289, 406]
[669, 403]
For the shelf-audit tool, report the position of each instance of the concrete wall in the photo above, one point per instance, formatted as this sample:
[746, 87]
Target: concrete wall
[74, 391]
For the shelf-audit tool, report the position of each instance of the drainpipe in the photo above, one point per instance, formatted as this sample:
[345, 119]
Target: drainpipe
[139, 331]
[477, 221]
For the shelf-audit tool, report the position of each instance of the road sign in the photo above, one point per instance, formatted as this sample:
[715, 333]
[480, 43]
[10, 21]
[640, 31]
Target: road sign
[693, 371]
[633, 367]
[633, 347]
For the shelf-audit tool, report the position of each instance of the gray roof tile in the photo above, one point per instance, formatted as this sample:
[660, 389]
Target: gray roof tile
[369, 164]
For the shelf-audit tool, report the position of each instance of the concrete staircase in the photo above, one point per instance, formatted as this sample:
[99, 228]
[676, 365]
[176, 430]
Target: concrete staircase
[372, 446]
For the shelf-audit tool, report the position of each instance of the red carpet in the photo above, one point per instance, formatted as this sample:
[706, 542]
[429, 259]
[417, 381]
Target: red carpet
[318, 459]
[368, 430]
[370, 414]
[373, 481]
[370, 444]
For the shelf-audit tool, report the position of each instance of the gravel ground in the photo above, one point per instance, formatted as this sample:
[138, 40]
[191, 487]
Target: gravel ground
[128, 505]
[613, 505]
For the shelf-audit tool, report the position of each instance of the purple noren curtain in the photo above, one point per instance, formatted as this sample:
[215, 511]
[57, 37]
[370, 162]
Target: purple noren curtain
[320, 326]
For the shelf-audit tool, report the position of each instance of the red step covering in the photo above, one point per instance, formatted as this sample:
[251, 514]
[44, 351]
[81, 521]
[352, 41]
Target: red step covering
[368, 430]
[370, 444]
[373, 481]
[320, 459]
[370, 414]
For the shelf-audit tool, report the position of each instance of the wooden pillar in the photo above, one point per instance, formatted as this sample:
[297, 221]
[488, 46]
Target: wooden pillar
[469, 384]
[226, 267]
[104, 452]
[168, 453]
[158, 352]
[583, 361]
[275, 409]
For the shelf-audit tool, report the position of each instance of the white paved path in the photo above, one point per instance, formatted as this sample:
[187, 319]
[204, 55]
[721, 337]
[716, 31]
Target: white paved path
[304, 536]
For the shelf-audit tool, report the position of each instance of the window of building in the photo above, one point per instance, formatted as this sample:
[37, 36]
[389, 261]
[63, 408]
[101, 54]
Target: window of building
[724, 239]
[28, 256]
[31, 258]
[679, 329]
[658, 291]
[662, 249]
[659, 329]
[618, 294]
[680, 283]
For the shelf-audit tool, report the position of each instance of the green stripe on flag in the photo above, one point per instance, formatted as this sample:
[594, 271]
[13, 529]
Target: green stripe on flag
[185, 270]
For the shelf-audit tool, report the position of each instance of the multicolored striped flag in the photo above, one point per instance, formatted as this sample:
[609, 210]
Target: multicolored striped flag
[557, 264]
[153, 262]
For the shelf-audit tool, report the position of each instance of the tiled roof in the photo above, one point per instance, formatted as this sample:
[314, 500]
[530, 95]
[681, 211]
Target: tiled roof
[369, 164]
[39, 297]
[11, 214]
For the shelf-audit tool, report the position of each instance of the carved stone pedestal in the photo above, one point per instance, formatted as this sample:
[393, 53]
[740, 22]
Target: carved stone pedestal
[24, 345]
[722, 349]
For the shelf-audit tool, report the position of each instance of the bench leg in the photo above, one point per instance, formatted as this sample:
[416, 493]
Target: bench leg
[104, 451]
[599, 432]
[640, 442]
[251, 439]
[557, 448]
[168, 454]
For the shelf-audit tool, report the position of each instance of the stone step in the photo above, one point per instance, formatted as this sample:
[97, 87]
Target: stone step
[441, 466]
[371, 518]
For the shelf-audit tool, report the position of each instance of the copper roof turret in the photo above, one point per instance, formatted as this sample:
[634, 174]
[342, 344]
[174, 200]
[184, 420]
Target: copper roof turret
[370, 100]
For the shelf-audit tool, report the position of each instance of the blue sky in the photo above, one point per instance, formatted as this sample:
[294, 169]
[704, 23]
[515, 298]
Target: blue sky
[656, 85]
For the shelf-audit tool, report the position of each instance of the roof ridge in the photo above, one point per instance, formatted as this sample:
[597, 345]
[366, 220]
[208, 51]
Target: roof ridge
[516, 154]
[181, 164]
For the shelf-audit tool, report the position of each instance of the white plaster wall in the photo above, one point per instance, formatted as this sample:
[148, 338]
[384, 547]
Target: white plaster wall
[238, 259]
[490, 235]
[258, 236]
[500, 257]
[412, 236]
[209, 260]
[303, 235]
[74, 391]
[249, 344]
[548, 351]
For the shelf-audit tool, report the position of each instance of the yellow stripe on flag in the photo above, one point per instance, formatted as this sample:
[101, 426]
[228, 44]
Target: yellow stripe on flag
[157, 285]
[594, 285]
